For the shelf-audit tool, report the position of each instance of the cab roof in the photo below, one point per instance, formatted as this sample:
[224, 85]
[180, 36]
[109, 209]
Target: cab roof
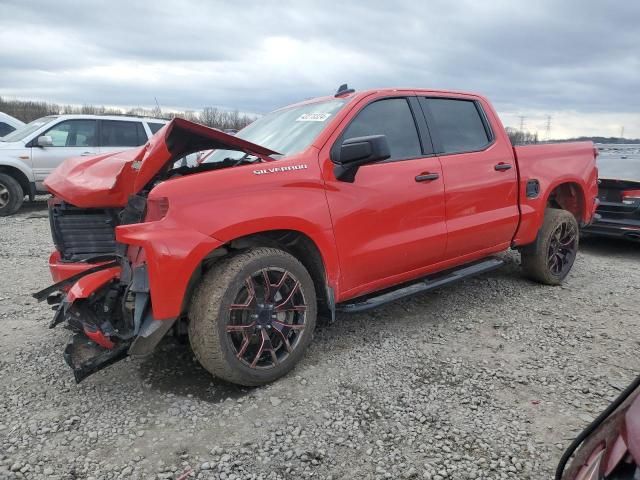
[358, 94]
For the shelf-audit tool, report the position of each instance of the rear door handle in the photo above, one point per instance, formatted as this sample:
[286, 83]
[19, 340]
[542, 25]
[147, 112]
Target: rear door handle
[502, 167]
[427, 177]
[84, 154]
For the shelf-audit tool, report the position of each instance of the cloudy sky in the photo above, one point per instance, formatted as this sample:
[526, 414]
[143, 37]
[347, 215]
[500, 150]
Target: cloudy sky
[578, 61]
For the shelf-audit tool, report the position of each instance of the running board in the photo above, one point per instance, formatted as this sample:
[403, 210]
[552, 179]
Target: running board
[428, 283]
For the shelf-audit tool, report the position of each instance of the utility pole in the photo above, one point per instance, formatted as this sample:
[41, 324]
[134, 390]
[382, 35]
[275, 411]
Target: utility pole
[522, 119]
[158, 112]
[548, 128]
[622, 134]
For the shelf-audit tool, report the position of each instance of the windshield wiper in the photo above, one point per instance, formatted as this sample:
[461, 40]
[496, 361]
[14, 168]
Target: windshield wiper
[246, 158]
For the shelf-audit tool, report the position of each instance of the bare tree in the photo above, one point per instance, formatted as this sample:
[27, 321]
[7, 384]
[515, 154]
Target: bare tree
[210, 117]
[519, 137]
[27, 111]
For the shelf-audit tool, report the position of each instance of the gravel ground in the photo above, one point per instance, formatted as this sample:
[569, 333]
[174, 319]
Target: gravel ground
[490, 378]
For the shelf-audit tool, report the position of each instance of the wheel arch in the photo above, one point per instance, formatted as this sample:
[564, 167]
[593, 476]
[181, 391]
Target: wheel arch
[294, 242]
[19, 175]
[569, 196]
[567, 193]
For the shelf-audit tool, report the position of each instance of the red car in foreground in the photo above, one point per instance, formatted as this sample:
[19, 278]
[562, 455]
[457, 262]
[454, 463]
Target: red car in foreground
[339, 203]
[609, 448]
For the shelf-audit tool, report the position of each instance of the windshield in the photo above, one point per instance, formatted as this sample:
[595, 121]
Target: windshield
[286, 131]
[27, 129]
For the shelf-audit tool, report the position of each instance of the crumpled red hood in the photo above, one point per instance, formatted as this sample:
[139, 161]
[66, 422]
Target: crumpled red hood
[108, 180]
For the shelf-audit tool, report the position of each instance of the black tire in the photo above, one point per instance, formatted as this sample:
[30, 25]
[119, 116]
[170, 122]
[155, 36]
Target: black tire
[213, 312]
[549, 259]
[11, 195]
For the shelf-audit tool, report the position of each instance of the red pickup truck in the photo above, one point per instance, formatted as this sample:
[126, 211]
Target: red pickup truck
[339, 203]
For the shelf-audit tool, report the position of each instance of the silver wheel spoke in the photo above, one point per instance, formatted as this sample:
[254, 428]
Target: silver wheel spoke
[4, 196]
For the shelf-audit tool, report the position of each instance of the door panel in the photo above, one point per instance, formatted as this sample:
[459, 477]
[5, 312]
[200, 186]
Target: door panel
[482, 208]
[387, 222]
[71, 138]
[480, 176]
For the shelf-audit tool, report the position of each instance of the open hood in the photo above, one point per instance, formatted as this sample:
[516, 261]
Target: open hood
[108, 180]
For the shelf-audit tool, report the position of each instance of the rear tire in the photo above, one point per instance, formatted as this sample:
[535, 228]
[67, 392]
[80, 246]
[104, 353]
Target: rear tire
[550, 258]
[11, 195]
[244, 332]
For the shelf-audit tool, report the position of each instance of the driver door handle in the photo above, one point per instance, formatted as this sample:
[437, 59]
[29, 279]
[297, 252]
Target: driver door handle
[84, 154]
[500, 167]
[427, 177]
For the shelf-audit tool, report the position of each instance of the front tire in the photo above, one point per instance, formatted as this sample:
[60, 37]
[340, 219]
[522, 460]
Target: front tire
[252, 316]
[550, 258]
[11, 195]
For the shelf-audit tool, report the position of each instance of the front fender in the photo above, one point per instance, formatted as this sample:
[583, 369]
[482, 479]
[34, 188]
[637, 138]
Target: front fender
[322, 238]
[13, 160]
[172, 254]
[233, 203]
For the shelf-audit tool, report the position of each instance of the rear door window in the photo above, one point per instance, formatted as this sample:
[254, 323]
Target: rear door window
[391, 117]
[73, 133]
[154, 127]
[5, 129]
[458, 124]
[116, 133]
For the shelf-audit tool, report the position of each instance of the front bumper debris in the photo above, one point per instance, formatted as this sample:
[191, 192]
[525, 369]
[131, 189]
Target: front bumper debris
[86, 357]
[63, 284]
[108, 308]
[91, 348]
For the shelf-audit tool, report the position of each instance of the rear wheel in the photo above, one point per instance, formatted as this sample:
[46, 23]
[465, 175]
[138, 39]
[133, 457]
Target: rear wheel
[252, 316]
[549, 259]
[11, 195]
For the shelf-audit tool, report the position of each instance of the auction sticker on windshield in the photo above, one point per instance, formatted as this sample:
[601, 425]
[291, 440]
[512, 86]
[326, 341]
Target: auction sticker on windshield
[313, 117]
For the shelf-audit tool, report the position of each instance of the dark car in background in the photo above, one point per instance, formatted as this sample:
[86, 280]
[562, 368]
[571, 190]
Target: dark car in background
[618, 214]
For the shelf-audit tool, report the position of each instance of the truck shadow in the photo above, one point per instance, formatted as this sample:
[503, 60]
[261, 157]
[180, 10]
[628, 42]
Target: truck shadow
[611, 247]
[172, 368]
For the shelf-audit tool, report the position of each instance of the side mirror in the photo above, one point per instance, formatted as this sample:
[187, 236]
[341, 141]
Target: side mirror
[356, 152]
[45, 141]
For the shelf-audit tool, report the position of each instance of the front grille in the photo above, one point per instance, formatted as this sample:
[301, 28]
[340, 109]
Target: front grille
[80, 234]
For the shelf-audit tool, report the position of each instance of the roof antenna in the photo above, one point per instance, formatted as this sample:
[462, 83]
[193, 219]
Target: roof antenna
[344, 90]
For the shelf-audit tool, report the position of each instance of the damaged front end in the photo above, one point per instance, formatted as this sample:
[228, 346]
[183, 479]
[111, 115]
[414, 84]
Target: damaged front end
[102, 290]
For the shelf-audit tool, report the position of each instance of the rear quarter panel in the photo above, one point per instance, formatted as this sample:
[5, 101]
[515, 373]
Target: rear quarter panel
[552, 165]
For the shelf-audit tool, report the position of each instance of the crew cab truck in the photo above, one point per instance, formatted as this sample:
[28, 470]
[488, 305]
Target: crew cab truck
[340, 203]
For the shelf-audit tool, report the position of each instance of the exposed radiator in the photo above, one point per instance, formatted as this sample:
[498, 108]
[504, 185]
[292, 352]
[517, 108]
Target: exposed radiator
[82, 233]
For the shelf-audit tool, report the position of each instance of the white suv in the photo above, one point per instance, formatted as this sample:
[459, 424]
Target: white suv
[31, 152]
